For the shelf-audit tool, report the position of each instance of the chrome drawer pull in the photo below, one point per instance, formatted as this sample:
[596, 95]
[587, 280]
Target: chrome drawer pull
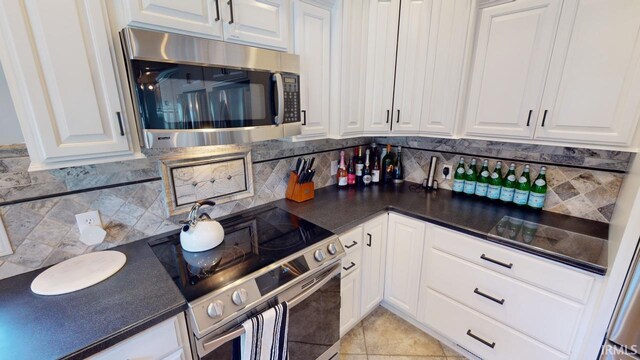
[477, 291]
[484, 257]
[349, 267]
[352, 245]
[489, 344]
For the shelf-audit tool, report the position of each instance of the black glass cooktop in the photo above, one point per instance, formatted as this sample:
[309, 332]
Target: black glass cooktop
[252, 240]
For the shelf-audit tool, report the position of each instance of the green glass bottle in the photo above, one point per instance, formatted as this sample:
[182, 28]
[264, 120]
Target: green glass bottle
[470, 178]
[523, 186]
[458, 177]
[538, 190]
[509, 184]
[483, 180]
[495, 182]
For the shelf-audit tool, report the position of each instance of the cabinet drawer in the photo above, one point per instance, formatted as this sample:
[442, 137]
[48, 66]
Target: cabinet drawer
[158, 342]
[351, 262]
[352, 239]
[539, 314]
[528, 268]
[481, 335]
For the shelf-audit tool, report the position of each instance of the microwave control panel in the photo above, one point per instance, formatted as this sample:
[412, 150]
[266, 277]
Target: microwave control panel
[291, 98]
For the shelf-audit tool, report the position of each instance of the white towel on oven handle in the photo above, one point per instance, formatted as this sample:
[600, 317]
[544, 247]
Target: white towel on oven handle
[265, 335]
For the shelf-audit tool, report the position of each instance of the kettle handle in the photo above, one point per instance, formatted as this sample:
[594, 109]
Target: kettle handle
[192, 219]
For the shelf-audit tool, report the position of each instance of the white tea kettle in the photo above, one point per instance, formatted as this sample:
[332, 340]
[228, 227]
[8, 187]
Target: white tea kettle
[200, 233]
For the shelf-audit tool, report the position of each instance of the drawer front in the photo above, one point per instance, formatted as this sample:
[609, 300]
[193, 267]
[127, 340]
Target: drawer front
[481, 335]
[546, 317]
[351, 262]
[528, 268]
[352, 239]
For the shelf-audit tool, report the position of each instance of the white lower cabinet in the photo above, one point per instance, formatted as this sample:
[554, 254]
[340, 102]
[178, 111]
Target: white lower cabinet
[490, 300]
[168, 340]
[404, 261]
[480, 334]
[373, 259]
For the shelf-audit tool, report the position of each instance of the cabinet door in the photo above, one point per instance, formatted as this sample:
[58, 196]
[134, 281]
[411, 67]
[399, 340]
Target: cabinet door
[350, 301]
[414, 55]
[512, 54]
[197, 17]
[381, 64]
[57, 59]
[313, 44]
[593, 89]
[353, 60]
[404, 263]
[264, 23]
[443, 77]
[373, 258]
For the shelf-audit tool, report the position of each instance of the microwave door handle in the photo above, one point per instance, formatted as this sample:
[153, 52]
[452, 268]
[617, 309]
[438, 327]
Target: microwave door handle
[280, 93]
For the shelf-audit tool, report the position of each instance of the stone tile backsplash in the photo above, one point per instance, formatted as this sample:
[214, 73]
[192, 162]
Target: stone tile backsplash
[43, 231]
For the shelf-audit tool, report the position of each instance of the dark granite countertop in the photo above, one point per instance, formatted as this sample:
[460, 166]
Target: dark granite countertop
[82, 323]
[569, 240]
[142, 294]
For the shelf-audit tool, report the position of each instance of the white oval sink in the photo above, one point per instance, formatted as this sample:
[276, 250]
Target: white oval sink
[78, 273]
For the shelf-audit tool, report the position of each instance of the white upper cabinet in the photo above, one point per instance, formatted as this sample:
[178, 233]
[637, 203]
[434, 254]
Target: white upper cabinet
[353, 29]
[62, 76]
[593, 88]
[514, 44]
[198, 17]
[381, 64]
[313, 45]
[443, 77]
[263, 23]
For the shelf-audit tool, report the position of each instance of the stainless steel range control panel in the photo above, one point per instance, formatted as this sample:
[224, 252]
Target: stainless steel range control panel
[221, 307]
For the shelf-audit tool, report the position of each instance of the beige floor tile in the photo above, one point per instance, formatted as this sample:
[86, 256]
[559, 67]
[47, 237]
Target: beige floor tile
[353, 357]
[353, 341]
[387, 334]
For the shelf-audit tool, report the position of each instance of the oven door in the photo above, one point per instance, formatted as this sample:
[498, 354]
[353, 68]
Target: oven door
[314, 321]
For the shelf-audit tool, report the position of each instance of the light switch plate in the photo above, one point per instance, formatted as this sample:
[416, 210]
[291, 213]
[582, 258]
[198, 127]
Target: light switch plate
[334, 167]
[5, 245]
[90, 218]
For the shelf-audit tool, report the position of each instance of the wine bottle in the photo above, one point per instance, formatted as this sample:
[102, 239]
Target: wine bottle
[398, 169]
[482, 186]
[523, 186]
[495, 182]
[387, 165]
[470, 178]
[458, 177]
[359, 166]
[509, 184]
[366, 173]
[342, 172]
[375, 171]
[538, 190]
[351, 172]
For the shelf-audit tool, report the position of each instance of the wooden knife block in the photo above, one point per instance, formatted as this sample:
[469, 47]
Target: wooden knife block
[299, 192]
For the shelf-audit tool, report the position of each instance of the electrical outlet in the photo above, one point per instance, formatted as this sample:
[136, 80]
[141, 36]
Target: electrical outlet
[448, 175]
[90, 218]
[334, 167]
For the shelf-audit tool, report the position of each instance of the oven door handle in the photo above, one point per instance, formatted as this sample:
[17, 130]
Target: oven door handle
[215, 343]
[279, 119]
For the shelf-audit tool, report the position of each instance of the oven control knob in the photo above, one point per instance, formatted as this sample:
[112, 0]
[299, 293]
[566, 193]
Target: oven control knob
[239, 297]
[215, 309]
[332, 249]
[318, 255]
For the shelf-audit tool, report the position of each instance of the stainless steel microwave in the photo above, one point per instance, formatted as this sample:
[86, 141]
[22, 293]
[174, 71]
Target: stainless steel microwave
[191, 91]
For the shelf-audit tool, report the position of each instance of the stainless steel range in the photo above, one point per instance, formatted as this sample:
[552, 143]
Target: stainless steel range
[268, 256]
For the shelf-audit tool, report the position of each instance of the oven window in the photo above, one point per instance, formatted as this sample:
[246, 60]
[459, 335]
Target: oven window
[178, 96]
